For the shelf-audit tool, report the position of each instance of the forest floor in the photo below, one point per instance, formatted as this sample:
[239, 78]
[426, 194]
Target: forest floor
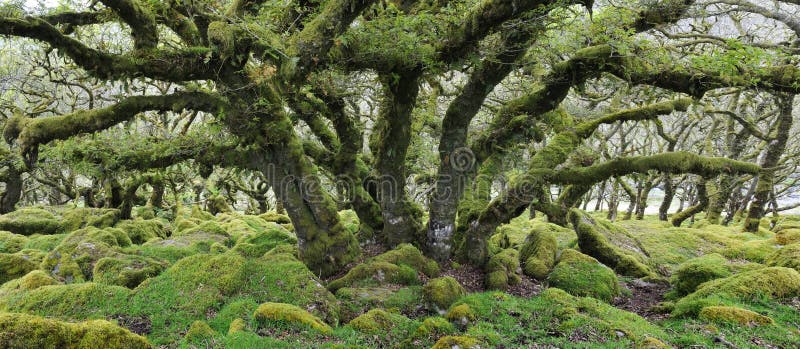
[195, 280]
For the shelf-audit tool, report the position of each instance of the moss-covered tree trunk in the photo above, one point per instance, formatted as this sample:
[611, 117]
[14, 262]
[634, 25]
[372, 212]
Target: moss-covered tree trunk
[644, 194]
[702, 202]
[774, 151]
[13, 190]
[669, 194]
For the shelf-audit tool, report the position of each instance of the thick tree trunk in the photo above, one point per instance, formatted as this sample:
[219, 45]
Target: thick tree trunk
[766, 177]
[13, 192]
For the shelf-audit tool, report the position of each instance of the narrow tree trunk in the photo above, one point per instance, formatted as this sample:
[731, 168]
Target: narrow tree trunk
[669, 194]
[13, 192]
[702, 202]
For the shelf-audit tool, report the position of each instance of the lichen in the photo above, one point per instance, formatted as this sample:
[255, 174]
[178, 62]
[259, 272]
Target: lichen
[31, 331]
[503, 269]
[733, 315]
[582, 275]
[443, 291]
[291, 314]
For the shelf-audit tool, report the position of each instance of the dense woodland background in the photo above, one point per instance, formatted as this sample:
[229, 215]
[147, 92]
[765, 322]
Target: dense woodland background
[477, 133]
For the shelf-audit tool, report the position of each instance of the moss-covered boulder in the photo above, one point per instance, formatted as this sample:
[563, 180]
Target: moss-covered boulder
[356, 301]
[126, 270]
[237, 325]
[28, 331]
[461, 314]
[460, 342]
[538, 254]
[443, 291]
[275, 217]
[582, 275]
[434, 327]
[82, 217]
[692, 273]
[409, 255]
[503, 270]
[199, 331]
[13, 266]
[29, 221]
[289, 314]
[788, 256]
[788, 236]
[398, 266]
[259, 242]
[29, 281]
[10, 242]
[71, 301]
[141, 230]
[734, 315]
[594, 240]
[377, 321]
[771, 282]
[74, 258]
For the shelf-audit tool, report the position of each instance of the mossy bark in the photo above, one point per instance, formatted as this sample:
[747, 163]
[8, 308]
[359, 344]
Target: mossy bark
[702, 202]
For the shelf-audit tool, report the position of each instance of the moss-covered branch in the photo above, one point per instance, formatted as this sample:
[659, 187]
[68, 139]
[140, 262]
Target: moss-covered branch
[142, 22]
[32, 132]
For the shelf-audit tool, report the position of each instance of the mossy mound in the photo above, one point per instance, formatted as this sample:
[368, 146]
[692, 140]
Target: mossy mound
[433, 327]
[10, 242]
[503, 270]
[44, 242]
[356, 301]
[199, 331]
[259, 242]
[733, 315]
[237, 325]
[582, 275]
[398, 266]
[593, 239]
[378, 321]
[126, 270]
[72, 301]
[29, 221]
[694, 272]
[788, 236]
[788, 256]
[13, 266]
[771, 282]
[143, 230]
[538, 253]
[514, 233]
[443, 291]
[28, 331]
[289, 314]
[82, 217]
[460, 342]
[29, 281]
[272, 216]
[74, 258]
[461, 314]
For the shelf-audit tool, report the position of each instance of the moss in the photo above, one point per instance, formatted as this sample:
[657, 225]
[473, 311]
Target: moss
[291, 314]
[409, 255]
[199, 331]
[582, 275]
[772, 282]
[74, 258]
[126, 270]
[377, 321]
[10, 242]
[36, 332]
[72, 301]
[217, 204]
[29, 221]
[140, 230]
[788, 236]
[356, 301]
[502, 270]
[733, 315]
[258, 243]
[461, 314]
[81, 217]
[350, 220]
[755, 250]
[29, 281]
[237, 325]
[272, 216]
[538, 254]
[592, 239]
[434, 327]
[208, 227]
[696, 271]
[443, 291]
[13, 266]
[44, 242]
[461, 342]
[198, 213]
[788, 256]
[107, 219]
[376, 273]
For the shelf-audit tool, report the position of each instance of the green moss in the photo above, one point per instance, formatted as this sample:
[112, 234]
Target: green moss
[462, 342]
[30, 281]
[356, 301]
[74, 258]
[696, 271]
[198, 213]
[377, 321]
[538, 254]
[44, 242]
[593, 240]
[772, 282]
[72, 301]
[10, 242]
[107, 219]
[258, 243]
[733, 315]
[443, 291]
[272, 216]
[582, 275]
[81, 217]
[788, 236]
[461, 314]
[13, 266]
[409, 255]
[36, 332]
[237, 325]
[502, 270]
[126, 270]
[376, 273]
[291, 314]
[199, 331]
[788, 256]
[140, 231]
[29, 221]
[207, 227]
[433, 327]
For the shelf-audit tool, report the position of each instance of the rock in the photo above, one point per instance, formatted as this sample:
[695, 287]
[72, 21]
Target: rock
[692, 273]
[733, 315]
[443, 291]
[503, 270]
[538, 254]
[290, 314]
[28, 331]
[582, 275]
[595, 239]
